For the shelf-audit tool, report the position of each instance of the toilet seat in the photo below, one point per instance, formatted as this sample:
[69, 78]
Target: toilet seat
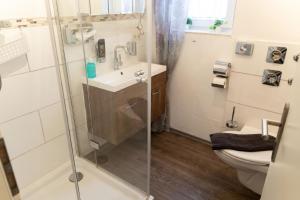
[262, 158]
[252, 167]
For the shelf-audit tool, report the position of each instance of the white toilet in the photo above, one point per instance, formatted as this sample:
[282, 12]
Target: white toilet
[251, 167]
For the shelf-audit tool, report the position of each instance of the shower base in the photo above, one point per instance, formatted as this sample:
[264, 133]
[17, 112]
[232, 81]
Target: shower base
[96, 184]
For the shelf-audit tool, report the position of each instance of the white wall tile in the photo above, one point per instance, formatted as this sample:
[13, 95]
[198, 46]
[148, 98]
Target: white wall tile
[52, 121]
[40, 53]
[76, 73]
[195, 106]
[28, 92]
[256, 64]
[79, 110]
[197, 126]
[40, 161]
[83, 140]
[248, 90]
[16, 9]
[76, 53]
[22, 134]
[14, 67]
[249, 116]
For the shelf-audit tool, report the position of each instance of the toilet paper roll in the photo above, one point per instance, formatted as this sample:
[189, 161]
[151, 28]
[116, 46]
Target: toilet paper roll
[219, 82]
[221, 68]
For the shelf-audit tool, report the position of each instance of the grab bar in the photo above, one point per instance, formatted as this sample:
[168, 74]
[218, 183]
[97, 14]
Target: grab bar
[281, 125]
[265, 127]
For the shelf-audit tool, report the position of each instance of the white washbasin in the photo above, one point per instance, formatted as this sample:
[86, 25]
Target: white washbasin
[123, 78]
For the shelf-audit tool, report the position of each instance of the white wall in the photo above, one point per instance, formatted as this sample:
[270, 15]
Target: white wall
[31, 118]
[199, 109]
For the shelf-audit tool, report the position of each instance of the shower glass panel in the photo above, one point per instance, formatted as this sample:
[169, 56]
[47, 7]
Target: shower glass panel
[110, 110]
[35, 140]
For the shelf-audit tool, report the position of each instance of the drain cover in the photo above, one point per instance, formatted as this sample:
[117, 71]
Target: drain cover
[78, 176]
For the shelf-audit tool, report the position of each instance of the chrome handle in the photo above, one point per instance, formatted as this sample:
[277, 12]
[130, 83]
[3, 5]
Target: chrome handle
[281, 125]
[265, 127]
[156, 93]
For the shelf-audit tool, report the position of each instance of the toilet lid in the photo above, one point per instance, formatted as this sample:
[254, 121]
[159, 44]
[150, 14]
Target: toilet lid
[259, 158]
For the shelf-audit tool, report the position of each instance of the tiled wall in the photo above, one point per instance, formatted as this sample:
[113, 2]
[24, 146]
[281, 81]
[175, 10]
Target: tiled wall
[31, 118]
[202, 110]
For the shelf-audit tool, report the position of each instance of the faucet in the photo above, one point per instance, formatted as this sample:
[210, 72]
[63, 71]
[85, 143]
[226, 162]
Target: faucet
[117, 57]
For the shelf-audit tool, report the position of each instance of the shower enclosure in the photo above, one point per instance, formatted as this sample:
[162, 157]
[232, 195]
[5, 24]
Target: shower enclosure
[110, 124]
[101, 73]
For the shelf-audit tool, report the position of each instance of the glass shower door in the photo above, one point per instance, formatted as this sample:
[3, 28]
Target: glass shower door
[116, 101]
[110, 110]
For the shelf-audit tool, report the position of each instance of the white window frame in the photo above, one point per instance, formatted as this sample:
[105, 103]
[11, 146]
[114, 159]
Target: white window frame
[202, 25]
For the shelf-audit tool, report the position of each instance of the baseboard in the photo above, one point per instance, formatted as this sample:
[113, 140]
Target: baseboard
[187, 135]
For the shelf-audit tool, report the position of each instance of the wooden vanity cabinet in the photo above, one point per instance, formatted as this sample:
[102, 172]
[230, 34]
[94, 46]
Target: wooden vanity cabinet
[158, 93]
[117, 116]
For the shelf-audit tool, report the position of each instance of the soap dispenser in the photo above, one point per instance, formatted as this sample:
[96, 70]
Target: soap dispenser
[101, 51]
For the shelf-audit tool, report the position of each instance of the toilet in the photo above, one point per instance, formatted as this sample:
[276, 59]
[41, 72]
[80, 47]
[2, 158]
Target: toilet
[252, 167]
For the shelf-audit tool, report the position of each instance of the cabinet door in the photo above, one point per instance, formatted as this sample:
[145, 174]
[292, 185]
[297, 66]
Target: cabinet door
[158, 96]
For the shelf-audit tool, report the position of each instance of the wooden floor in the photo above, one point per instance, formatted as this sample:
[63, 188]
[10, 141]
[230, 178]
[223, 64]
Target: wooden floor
[185, 169]
[182, 169]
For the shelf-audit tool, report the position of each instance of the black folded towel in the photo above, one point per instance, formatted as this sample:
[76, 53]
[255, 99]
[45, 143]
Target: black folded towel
[247, 142]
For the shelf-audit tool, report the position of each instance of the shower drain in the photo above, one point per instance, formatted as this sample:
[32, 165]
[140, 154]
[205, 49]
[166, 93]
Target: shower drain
[77, 175]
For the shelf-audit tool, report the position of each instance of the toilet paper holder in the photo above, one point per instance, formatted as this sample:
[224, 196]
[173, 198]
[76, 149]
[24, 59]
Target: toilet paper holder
[222, 68]
[221, 71]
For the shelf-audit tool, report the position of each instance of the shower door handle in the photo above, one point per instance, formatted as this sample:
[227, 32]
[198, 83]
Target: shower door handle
[281, 125]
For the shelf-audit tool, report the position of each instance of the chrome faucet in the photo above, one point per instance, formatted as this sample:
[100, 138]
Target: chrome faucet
[139, 73]
[117, 57]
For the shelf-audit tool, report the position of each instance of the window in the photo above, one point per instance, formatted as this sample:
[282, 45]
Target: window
[205, 13]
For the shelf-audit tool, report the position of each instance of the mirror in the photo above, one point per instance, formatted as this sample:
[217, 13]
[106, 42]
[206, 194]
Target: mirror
[139, 6]
[120, 6]
[126, 6]
[101, 7]
[104, 7]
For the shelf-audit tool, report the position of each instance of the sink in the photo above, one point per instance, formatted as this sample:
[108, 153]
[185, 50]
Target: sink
[123, 78]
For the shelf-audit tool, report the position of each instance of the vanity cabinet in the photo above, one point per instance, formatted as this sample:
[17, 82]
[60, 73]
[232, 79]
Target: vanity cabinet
[158, 96]
[117, 116]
